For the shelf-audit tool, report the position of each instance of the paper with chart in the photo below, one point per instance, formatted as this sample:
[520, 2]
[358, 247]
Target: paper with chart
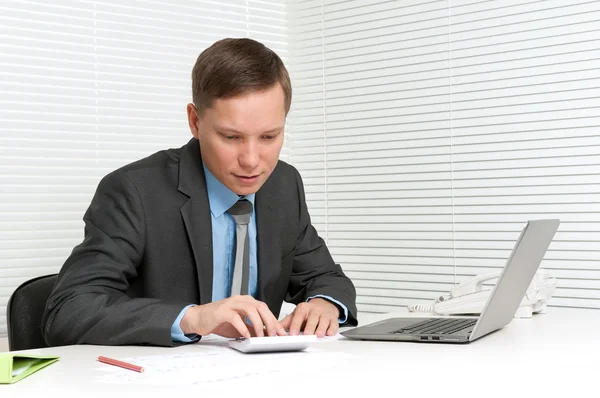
[217, 363]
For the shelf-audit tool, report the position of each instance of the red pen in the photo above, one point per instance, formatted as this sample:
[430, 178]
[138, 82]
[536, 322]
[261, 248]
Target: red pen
[121, 364]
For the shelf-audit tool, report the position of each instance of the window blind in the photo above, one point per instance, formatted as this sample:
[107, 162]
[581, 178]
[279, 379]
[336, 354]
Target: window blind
[429, 132]
[88, 86]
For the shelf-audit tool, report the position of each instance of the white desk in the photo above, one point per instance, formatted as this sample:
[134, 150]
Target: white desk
[554, 354]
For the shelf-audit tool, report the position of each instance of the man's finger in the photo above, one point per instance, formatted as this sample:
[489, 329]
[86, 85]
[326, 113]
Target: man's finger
[286, 322]
[311, 323]
[299, 316]
[334, 326]
[251, 313]
[324, 323]
[272, 327]
[239, 325]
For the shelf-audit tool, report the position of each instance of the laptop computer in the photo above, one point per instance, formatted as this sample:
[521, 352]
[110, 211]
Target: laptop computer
[499, 310]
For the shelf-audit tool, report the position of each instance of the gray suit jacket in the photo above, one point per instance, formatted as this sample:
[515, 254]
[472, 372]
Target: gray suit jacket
[147, 253]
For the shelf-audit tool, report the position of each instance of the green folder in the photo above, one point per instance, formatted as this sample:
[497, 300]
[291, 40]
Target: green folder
[14, 367]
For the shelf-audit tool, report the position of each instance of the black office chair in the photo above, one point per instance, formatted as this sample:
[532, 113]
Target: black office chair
[24, 313]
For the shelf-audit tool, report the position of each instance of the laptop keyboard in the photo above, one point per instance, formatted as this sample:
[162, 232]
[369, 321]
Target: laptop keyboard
[437, 326]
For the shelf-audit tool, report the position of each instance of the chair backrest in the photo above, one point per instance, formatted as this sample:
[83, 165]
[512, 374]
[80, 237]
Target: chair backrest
[24, 313]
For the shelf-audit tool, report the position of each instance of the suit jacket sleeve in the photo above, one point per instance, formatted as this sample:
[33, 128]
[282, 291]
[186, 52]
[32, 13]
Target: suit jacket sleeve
[89, 303]
[314, 271]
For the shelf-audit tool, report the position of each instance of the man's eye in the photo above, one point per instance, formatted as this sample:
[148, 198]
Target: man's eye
[231, 137]
[269, 137]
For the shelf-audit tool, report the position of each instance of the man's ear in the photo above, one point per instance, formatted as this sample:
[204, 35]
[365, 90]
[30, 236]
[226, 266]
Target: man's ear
[192, 114]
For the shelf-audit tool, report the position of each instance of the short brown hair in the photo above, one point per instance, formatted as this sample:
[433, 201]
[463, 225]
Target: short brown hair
[231, 67]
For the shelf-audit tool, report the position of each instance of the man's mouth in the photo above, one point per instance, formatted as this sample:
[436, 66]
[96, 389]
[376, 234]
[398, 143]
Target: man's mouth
[247, 179]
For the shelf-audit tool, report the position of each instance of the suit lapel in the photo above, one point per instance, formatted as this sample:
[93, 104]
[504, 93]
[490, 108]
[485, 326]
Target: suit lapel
[196, 216]
[268, 246]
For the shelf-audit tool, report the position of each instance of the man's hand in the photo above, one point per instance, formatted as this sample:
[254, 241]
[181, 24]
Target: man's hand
[317, 314]
[227, 318]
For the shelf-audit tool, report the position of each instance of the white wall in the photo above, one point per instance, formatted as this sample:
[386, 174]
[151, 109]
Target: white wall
[429, 132]
[87, 87]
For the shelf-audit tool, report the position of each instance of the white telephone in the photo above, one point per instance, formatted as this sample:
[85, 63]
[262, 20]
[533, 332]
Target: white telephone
[470, 297]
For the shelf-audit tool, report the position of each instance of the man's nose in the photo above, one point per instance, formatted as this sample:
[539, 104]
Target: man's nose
[249, 158]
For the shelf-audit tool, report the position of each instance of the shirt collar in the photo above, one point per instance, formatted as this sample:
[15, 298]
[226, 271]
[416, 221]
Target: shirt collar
[220, 197]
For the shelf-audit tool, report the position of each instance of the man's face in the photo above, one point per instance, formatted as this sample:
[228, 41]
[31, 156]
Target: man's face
[241, 137]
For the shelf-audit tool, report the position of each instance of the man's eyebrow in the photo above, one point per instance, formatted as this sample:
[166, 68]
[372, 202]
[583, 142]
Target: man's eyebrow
[234, 131]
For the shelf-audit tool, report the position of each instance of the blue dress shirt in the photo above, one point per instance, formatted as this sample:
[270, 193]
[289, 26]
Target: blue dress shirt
[221, 199]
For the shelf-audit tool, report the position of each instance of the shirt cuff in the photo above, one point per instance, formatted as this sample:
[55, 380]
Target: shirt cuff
[343, 317]
[176, 332]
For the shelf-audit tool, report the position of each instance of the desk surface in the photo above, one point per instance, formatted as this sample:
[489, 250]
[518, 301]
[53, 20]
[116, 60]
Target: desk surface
[553, 354]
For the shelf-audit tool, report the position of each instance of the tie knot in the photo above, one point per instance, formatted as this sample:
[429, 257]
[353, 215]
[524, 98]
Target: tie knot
[241, 211]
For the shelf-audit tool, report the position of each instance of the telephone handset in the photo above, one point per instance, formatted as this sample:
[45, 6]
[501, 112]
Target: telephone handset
[470, 297]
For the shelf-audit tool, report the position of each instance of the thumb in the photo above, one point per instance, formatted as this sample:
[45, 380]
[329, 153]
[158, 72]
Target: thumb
[287, 321]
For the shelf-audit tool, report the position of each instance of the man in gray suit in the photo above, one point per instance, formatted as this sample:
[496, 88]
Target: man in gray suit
[156, 265]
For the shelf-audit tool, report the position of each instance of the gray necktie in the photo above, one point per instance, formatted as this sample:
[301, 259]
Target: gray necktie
[241, 214]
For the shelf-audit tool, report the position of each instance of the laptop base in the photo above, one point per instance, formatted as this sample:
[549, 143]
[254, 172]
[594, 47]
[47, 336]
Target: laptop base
[422, 330]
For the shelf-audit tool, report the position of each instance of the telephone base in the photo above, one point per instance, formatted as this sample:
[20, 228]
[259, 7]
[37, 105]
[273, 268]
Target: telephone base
[470, 297]
[527, 311]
